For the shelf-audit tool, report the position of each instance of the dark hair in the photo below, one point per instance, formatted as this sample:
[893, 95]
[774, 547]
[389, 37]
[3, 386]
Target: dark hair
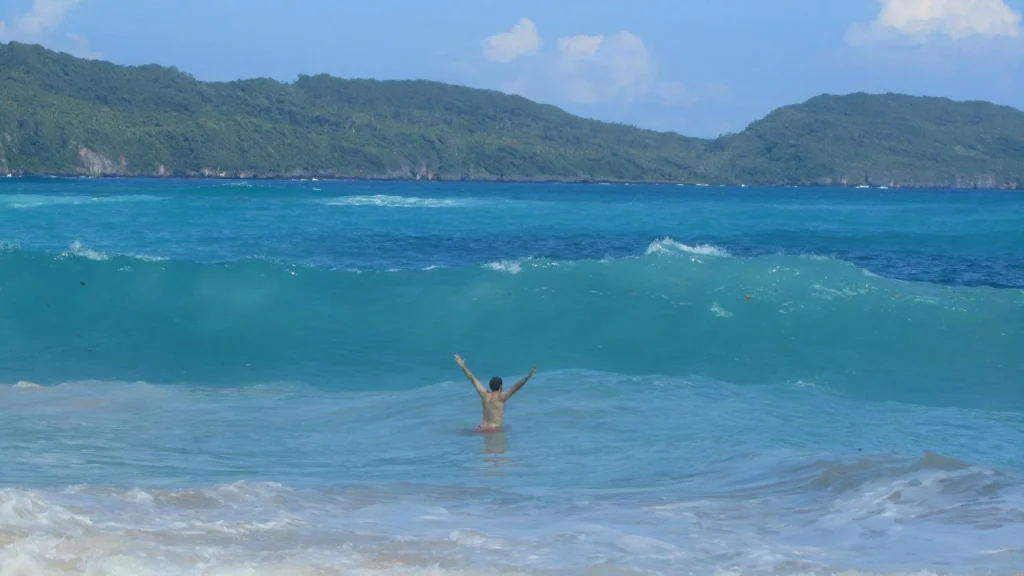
[495, 384]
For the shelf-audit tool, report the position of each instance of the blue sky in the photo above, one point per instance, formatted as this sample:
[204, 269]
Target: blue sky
[700, 67]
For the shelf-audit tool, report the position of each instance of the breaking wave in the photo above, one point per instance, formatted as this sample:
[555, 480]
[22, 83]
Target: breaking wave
[789, 319]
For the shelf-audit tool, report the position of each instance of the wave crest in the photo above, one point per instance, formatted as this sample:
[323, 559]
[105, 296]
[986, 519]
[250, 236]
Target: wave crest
[648, 314]
[670, 246]
[509, 266]
[80, 250]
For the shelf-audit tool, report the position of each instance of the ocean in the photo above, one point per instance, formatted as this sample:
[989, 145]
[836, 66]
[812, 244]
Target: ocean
[212, 377]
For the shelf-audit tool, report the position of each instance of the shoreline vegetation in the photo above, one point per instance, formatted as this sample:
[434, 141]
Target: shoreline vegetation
[234, 178]
[70, 117]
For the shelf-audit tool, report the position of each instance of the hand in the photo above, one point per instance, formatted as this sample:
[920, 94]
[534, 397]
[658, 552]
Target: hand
[533, 371]
[460, 361]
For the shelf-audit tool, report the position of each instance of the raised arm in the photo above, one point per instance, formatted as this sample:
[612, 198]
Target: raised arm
[515, 387]
[476, 383]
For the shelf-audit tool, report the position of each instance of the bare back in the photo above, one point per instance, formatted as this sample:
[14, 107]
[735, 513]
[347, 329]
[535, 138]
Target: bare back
[493, 401]
[493, 404]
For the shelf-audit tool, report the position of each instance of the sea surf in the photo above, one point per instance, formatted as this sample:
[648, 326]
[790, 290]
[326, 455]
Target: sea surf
[210, 378]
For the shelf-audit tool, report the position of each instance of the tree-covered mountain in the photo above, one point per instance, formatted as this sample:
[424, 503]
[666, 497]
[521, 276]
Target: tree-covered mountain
[887, 139]
[64, 115]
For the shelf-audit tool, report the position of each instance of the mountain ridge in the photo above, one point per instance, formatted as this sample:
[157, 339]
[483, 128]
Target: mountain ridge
[62, 115]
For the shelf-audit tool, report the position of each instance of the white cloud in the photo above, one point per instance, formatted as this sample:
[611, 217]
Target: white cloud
[630, 63]
[45, 16]
[586, 69]
[598, 68]
[79, 46]
[918, 20]
[39, 24]
[580, 47]
[523, 40]
[674, 93]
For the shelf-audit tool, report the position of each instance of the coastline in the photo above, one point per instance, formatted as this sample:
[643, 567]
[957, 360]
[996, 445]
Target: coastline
[244, 175]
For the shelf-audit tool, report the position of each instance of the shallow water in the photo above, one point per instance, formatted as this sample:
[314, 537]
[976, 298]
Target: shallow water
[257, 378]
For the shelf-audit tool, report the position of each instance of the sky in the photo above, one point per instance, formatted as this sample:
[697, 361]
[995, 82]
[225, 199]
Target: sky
[698, 67]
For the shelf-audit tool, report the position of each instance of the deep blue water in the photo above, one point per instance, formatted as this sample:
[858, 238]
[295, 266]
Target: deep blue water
[258, 376]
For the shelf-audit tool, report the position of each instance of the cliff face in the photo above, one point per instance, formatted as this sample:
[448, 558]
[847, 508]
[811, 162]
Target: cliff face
[5, 140]
[96, 164]
[61, 115]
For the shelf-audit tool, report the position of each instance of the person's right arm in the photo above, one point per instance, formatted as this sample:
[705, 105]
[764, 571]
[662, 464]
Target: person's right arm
[476, 383]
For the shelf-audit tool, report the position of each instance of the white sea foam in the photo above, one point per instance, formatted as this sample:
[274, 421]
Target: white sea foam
[241, 528]
[386, 201]
[80, 250]
[40, 201]
[829, 293]
[144, 257]
[83, 251]
[509, 266]
[670, 246]
[819, 257]
[258, 528]
[719, 311]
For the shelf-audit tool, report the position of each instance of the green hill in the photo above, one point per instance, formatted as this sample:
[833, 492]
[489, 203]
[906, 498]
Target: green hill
[63, 115]
[888, 139]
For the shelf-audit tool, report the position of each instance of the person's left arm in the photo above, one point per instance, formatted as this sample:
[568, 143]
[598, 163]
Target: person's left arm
[518, 385]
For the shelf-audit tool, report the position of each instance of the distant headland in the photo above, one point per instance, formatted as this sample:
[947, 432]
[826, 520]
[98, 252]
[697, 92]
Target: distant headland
[61, 115]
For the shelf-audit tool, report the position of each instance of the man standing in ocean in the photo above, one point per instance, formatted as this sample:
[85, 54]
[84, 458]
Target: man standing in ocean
[493, 402]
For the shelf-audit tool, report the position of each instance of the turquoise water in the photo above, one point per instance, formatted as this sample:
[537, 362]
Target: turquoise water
[257, 378]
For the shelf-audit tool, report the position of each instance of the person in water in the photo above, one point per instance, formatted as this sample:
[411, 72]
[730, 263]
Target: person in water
[493, 401]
